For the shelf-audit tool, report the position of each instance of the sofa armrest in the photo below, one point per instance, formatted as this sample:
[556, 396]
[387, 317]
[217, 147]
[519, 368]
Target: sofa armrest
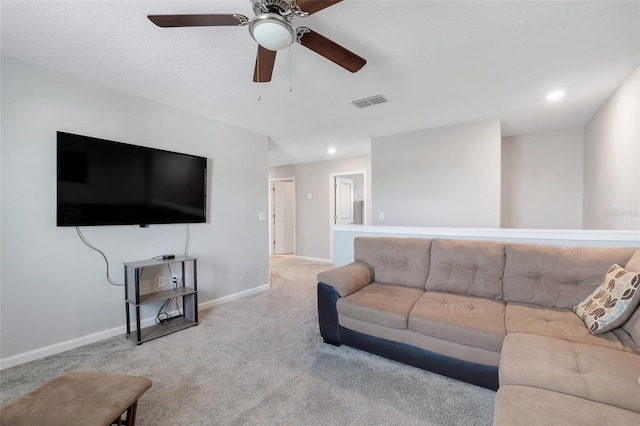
[347, 279]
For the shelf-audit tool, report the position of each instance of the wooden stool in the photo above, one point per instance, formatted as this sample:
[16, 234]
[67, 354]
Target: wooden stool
[79, 399]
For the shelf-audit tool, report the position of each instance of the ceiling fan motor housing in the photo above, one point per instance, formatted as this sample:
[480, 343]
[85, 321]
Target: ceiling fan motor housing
[285, 8]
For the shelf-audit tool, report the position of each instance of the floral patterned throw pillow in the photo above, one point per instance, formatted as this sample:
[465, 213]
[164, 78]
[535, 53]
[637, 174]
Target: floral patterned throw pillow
[612, 303]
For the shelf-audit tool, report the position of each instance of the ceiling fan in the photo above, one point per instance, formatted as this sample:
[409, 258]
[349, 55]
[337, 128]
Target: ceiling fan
[272, 29]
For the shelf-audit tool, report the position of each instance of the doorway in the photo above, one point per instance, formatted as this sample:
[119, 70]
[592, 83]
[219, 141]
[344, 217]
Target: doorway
[282, 214]
[347, 200]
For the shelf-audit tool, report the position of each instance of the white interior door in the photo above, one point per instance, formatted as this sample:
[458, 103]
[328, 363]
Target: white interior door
[283, 217]
[344, 201]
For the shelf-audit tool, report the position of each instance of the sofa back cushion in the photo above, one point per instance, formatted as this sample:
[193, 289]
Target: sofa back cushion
[399, 261]
[559, 277]
[473, 268]
[632, 326]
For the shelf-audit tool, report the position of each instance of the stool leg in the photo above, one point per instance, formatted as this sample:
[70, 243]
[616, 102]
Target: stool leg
[118, 421]
[130, 419]
[129, 416]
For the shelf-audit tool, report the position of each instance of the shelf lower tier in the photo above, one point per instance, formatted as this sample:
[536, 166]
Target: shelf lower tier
[159, 330]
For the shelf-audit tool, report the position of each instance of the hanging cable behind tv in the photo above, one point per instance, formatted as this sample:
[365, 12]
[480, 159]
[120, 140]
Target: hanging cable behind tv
[84, 240]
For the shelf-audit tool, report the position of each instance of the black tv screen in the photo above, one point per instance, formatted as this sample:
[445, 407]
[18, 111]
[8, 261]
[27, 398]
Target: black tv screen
[101, 182]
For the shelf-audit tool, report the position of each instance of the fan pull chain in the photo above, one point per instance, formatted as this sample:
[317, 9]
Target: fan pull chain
[290, 77]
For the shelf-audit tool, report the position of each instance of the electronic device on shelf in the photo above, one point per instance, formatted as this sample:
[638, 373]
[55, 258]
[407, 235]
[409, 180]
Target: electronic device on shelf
[102, 182]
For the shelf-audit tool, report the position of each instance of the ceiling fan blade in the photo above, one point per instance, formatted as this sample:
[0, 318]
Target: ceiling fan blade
[330, 50]
[215, 20]
[313, 6]
[265, 60]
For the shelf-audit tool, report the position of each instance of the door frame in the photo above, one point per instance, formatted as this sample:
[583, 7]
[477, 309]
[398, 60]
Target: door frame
[295, 199]
[332, 202]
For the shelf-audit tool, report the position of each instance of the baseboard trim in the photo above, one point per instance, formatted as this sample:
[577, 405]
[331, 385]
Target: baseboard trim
[57, 348]
[235, 296]
[313, 259]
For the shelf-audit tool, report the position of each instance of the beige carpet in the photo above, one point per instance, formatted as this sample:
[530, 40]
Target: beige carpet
[261, 361]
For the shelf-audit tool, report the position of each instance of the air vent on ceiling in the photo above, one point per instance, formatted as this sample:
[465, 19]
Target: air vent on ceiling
[371, 100]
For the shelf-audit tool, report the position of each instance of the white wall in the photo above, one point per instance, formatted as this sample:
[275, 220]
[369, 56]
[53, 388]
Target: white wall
[313, 218]
[542, 180]
[612, 161]
[446, 176]
[53, 287]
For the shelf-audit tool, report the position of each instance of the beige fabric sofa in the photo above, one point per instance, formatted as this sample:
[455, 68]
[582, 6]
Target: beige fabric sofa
[488, 312]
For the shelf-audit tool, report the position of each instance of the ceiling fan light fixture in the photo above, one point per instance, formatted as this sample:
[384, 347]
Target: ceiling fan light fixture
[272, 31]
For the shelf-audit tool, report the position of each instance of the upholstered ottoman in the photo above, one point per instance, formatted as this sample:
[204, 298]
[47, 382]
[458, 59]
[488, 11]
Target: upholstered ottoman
[79, 399]
[603, 375]
[549, 381]
[529, 406]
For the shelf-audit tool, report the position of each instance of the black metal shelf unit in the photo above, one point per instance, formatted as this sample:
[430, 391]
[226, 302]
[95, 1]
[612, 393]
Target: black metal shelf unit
[187, 295]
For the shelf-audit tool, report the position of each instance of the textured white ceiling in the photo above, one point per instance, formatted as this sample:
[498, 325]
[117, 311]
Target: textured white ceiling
[438, 63]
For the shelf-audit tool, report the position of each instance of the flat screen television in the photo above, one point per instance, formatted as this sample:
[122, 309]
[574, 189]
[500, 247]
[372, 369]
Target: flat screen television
[101, 182]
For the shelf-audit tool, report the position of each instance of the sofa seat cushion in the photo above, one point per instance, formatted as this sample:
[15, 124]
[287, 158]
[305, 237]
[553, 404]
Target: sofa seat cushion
[382, 304]
[560, 323]
[468, 320]
[591, 372]
[524, 406]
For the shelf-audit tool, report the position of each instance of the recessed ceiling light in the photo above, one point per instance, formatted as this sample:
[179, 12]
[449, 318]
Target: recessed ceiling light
[555, 95]
[331, 150]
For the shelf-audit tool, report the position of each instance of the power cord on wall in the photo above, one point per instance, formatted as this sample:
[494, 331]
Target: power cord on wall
[88, 244]
[187, 241]
[84, 240]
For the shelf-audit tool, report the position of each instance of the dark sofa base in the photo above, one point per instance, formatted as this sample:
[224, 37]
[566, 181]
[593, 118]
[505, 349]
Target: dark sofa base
[485, 376]
[333, 333]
